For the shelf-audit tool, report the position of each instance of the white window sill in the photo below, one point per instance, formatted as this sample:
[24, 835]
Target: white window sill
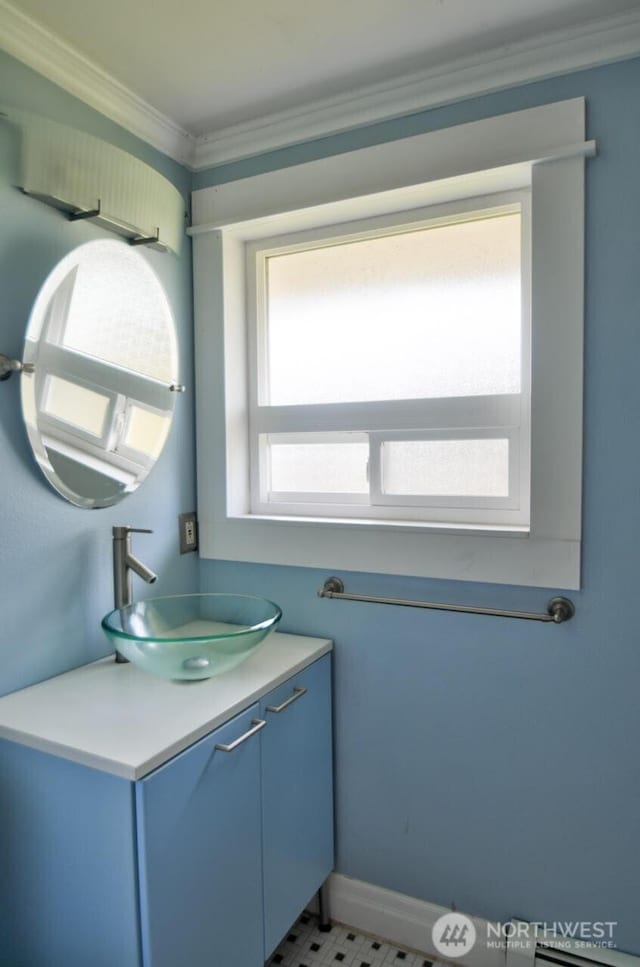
[399, 526]
[503, 556]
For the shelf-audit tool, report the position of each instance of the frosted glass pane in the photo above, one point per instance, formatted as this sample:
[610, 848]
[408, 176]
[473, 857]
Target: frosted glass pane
[118, 313]
[429, 313]
[147, 431]
[76, 405]
[339, 468]
[438, 468]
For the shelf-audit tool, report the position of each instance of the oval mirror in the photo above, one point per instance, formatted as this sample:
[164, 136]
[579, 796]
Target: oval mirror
[99, 402]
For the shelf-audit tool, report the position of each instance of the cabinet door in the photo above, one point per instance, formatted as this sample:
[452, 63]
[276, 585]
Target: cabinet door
[67, 864]
[200, 853]
[297, 794]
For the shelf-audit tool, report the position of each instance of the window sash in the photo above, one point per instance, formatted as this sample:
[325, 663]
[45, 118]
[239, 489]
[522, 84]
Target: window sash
[258, 253]
[455, 418]
[437, 418]
[474, 509]
[425, 414]
[479, 501]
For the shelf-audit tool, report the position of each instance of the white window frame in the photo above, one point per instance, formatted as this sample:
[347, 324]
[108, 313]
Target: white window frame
[540, 149]
[504, 416]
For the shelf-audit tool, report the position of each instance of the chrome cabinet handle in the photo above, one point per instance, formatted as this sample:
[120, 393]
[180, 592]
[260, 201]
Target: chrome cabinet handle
[297, 693]
[257, 725]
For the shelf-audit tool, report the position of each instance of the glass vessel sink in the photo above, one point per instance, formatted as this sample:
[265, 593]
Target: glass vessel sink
[191, 636]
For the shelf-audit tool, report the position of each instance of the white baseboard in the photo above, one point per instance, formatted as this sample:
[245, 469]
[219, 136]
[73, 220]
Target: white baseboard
[408, 922]
[400, 919]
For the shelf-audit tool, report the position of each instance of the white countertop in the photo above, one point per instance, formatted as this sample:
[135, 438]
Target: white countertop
[122, 720]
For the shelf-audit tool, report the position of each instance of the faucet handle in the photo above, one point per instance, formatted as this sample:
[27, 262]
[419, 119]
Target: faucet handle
[122, 531]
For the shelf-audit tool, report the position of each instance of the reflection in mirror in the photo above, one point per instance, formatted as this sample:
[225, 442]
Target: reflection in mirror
[99, 403]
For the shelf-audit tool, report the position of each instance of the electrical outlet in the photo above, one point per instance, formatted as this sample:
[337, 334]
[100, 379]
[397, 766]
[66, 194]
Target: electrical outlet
[188, 524]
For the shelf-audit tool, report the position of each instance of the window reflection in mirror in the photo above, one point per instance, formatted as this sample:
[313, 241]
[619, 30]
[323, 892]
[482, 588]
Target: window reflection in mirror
[98, 406]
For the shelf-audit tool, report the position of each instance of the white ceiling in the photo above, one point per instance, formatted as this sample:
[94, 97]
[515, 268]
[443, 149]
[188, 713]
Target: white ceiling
[208, 64]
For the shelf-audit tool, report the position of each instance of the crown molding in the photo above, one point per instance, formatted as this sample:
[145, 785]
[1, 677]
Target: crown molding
[38, 48]
[559, 52]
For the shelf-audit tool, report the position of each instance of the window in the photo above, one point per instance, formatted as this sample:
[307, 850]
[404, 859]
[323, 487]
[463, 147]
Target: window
[389, 356]
[392, 368]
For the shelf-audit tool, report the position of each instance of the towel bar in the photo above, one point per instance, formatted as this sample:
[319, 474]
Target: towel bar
[558, 609]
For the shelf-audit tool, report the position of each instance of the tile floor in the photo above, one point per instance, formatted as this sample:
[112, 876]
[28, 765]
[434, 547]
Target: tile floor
[306, 946]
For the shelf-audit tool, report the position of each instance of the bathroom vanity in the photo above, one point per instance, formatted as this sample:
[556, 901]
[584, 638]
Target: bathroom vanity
[151, 823]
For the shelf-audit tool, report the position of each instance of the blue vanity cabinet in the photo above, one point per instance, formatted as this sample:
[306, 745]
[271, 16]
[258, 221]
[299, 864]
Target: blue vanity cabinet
[297, 796]
[203, 861]
[200, 852]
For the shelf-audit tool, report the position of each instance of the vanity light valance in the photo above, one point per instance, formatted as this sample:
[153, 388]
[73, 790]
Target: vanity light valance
[89, 178]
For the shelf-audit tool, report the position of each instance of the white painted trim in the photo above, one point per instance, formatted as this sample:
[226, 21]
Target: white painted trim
[400, 919]
[39, 48]
[504, 141]
[359, 177]
[550, 555]
[558, 52]
[205, 201]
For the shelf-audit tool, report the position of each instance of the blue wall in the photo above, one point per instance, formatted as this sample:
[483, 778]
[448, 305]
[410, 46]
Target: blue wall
[485, 762]
[55, 559]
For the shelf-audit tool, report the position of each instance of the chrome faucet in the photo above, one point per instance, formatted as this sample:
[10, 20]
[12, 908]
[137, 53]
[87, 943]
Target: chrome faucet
[124, 562]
